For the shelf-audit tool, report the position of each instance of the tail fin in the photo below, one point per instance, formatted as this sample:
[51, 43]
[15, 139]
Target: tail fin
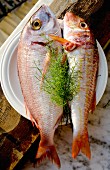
[50, 152]
[81, 142]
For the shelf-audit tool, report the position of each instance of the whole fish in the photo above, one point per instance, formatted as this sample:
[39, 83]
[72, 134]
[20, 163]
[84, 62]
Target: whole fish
[32, 59]
[82, 55]
[85, 57]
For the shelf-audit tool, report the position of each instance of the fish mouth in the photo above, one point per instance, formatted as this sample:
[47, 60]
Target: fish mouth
[41, 43]
[49, 41]
[52, 36]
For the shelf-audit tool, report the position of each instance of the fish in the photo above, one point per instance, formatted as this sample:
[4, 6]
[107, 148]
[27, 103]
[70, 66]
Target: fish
[80, 47]
[32, 61]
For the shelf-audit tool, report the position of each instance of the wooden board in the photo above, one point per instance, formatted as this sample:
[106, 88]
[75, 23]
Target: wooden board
[83, 8]
[16, 135]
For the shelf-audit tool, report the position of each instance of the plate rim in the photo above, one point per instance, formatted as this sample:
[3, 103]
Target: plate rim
[14, 104]
[100, 50]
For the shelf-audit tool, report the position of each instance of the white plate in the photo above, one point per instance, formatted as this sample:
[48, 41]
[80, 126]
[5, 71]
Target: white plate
[10, 83]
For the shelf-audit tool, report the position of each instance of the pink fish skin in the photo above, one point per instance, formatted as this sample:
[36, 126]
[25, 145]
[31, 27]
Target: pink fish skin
[81, 51]
[32, 53]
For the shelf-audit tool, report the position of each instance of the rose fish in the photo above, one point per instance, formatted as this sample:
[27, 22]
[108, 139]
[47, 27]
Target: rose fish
[79, 44]
[33, 58]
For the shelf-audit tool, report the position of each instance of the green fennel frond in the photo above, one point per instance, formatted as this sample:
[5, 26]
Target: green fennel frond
[58, 82]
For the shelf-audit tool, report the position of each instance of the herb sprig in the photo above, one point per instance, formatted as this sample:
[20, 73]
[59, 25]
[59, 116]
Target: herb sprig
[58, 82]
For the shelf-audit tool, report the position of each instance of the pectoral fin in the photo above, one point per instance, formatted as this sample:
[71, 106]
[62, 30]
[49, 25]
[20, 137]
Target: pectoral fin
[45, 66]
[30, 116]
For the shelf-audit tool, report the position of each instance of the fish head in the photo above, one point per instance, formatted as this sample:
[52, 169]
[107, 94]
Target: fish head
[42, 22]
[76, 32]
[75, 28]
[75, 22]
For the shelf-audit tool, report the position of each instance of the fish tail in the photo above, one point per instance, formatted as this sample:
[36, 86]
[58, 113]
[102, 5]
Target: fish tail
[81, 143]
[50, 152]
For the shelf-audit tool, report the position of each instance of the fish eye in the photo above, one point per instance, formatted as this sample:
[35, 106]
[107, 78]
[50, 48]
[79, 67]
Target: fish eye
[83, 25]
[36, 24]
